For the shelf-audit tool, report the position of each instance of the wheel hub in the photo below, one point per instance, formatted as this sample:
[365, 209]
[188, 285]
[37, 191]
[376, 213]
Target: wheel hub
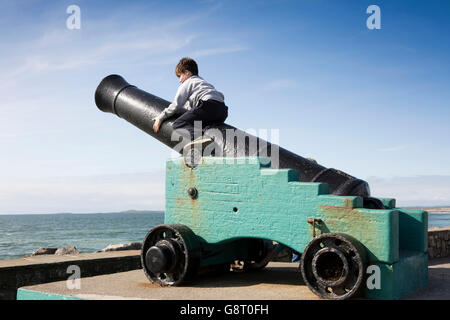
[330, 267]
[161, 257]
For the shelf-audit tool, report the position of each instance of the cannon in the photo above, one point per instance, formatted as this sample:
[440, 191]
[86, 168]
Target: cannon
[246, 205]
[138, 107]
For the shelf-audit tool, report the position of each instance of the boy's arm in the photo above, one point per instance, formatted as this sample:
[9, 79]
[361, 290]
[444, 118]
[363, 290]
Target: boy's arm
[180, 99]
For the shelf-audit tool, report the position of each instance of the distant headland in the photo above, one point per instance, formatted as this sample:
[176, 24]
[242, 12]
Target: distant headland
[434, 209]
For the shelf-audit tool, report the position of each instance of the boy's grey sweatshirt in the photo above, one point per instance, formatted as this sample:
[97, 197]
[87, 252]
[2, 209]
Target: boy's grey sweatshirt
[189, 94]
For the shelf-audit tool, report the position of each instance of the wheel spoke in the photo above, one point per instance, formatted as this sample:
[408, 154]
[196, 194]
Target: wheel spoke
[340, 290]
[322, 288]
[330, 242]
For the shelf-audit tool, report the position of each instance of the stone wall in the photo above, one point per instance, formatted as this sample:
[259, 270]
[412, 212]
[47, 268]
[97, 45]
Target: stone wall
[438, 242]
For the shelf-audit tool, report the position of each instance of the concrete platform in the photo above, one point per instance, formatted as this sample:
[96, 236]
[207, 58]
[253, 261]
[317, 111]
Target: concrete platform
[35, 270]
[278, 281]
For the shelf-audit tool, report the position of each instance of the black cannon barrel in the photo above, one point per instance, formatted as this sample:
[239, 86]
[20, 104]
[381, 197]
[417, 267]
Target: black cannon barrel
[138, 107]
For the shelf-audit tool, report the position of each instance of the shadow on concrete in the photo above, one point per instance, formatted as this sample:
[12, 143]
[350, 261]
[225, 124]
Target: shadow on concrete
[438, 287]
[268, 275]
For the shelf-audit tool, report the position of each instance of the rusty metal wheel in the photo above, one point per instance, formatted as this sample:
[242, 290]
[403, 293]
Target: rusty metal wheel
[333, 266]
[170, 254]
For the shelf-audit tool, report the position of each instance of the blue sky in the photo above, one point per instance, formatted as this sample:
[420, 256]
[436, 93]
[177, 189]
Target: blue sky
[373, 103]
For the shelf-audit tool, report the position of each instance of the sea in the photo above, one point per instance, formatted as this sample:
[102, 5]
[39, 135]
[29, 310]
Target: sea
[22, 234]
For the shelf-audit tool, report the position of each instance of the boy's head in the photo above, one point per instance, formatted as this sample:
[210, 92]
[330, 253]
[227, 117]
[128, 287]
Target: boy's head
[186, 64]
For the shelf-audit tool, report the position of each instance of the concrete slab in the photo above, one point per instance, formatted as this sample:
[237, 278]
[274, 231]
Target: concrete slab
[278, 281]
[49, 268]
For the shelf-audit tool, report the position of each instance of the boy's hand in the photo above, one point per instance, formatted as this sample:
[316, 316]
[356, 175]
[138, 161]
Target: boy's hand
[157, 124]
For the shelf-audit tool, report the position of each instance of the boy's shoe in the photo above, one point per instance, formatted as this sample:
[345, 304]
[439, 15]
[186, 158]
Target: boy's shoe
[203, 142]
[193, 151]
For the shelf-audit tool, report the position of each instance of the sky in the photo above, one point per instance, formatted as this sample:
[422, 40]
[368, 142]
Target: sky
[374, 103]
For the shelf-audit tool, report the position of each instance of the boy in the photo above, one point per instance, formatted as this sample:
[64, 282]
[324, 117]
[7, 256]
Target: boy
[203, 102]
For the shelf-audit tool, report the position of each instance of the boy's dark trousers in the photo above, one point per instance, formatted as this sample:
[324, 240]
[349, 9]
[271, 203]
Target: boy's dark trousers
[209, 112]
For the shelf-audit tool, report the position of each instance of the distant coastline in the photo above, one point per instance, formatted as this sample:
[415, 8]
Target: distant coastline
[138, 211]
[126, 211]
[434, 209]
[64, 213]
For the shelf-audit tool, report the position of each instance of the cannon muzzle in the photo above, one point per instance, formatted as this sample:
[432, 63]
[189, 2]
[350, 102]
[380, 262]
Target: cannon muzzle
[138, 107]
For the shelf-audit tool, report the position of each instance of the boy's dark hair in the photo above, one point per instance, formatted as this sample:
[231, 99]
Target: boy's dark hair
[186, 64]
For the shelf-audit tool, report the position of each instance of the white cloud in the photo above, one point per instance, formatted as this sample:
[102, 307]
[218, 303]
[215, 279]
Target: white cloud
[147, 40]
[49, 58]
[391, 149]
[430, 190]
[89, 194]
